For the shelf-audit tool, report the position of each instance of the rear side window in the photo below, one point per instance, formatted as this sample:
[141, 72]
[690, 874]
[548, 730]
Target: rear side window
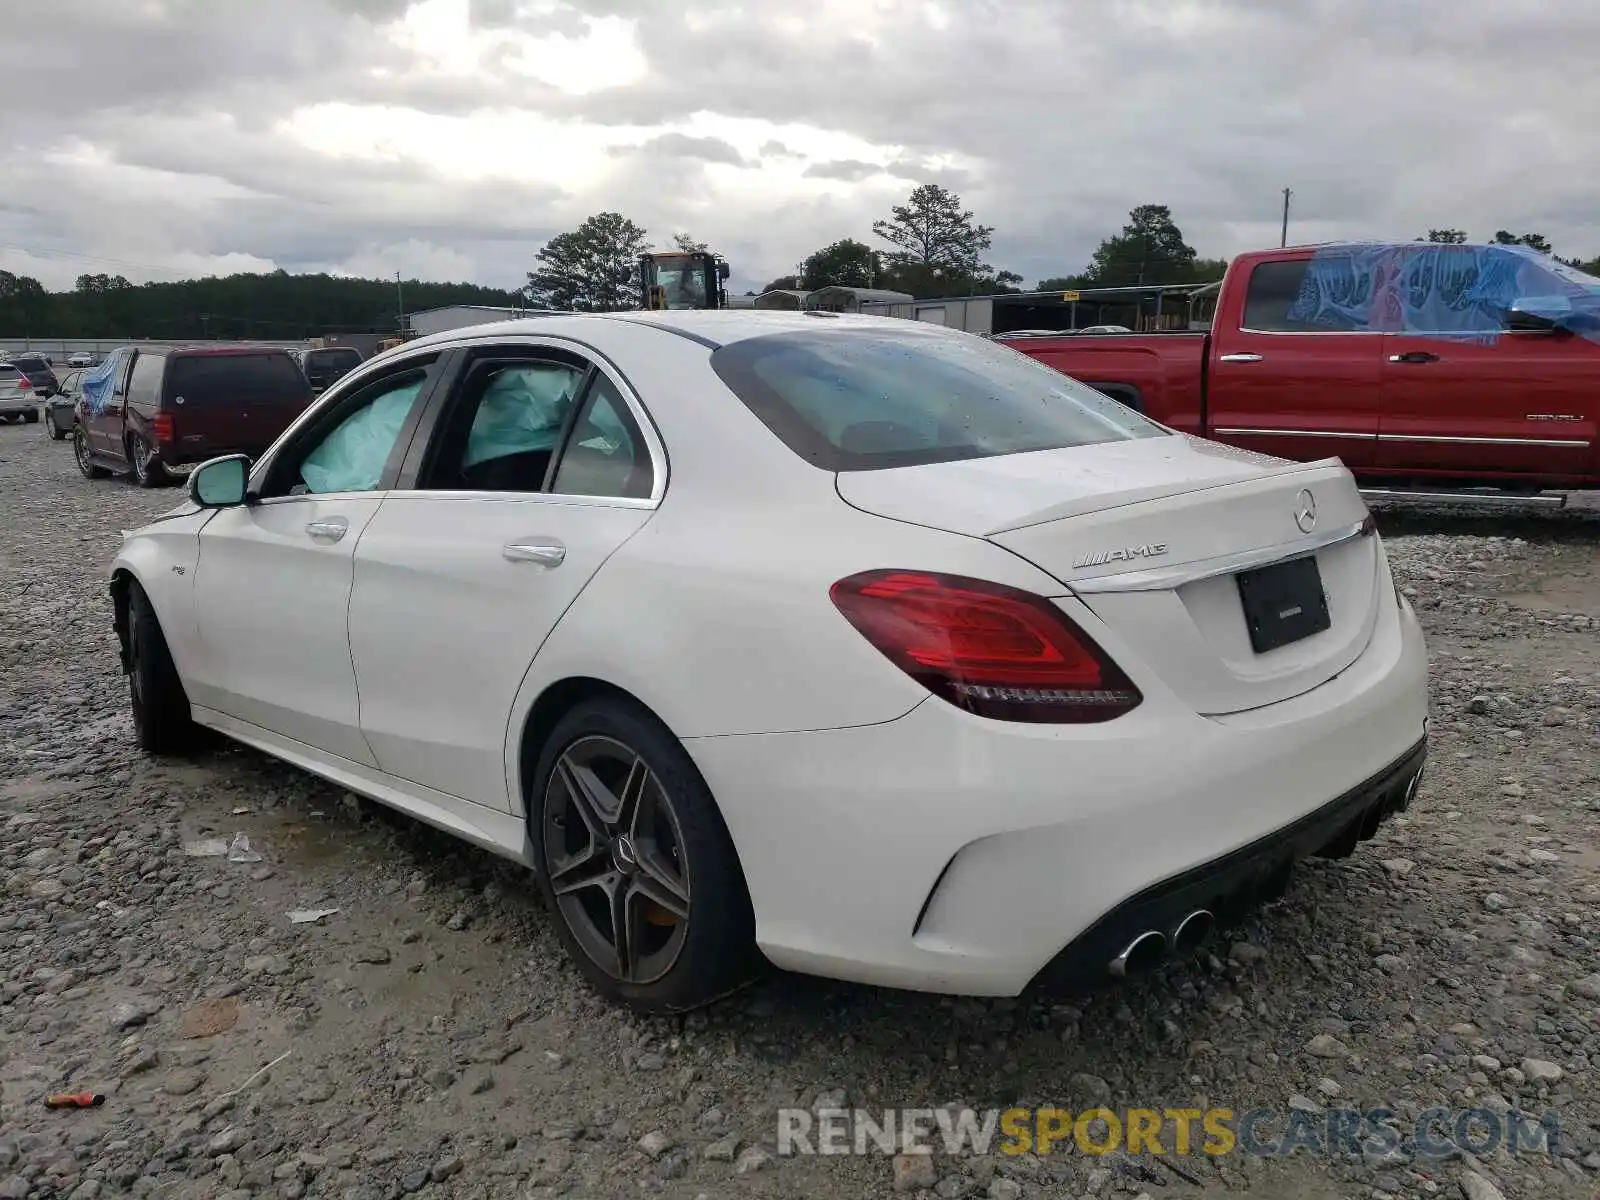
[861, 400]
[214, 379]
[144, 385]
[7, 371]
[332, 359]
[1330, 295]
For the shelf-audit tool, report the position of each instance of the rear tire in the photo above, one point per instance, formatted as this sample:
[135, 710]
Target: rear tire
[664, 871]
[147, 470]
[161, 720]
[80, 451]
[31, 416]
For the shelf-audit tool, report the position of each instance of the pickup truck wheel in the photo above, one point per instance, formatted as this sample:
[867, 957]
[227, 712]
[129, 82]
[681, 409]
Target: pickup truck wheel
[147, 472]
[161, 720]
[57, 434]
[80, 451]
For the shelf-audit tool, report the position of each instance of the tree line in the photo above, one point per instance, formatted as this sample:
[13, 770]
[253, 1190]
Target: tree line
[932, 245]
[270, 306]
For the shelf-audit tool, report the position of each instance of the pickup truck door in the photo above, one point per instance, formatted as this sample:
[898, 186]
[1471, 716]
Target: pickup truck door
[1515, 403]
[1282, 383]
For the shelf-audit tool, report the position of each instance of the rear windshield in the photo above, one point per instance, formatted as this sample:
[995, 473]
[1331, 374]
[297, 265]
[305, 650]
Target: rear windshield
[7, 371]
[323, 359]
[863, 400]
[224, 378]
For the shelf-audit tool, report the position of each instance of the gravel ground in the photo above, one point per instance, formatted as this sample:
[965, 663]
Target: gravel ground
[429, 1037]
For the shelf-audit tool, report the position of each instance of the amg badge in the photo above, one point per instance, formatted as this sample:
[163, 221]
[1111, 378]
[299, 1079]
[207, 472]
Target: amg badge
[1127, 554]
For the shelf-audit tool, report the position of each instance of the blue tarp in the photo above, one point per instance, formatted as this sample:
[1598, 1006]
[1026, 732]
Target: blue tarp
[98, 383]
[1441, 290]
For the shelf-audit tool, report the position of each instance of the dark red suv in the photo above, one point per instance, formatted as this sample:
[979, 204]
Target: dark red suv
[171, 408]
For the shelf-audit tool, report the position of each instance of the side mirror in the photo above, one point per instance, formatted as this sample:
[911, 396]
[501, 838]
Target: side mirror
[722, 271]
[221, 482]
[1538, 315]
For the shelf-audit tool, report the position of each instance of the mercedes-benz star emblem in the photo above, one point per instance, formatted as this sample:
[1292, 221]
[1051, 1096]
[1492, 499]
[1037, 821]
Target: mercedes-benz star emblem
[1305, 510]
[623, 856]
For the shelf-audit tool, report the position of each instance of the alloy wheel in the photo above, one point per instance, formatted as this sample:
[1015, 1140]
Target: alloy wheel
[141, 458]
[80, 448]
[615, 860]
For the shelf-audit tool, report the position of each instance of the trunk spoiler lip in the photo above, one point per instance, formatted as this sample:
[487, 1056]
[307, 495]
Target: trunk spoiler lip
[1083, 506]
[1162, 579]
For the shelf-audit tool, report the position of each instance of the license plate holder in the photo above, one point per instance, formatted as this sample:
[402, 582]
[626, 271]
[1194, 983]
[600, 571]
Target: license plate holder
[1283, 603]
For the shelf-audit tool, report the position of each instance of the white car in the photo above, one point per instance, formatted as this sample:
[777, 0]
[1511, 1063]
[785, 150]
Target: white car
[81, 359]
[872, 645]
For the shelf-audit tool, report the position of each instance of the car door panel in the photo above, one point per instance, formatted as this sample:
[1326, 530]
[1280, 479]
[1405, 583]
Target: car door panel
[453, 595]
[459, 582]
[274, 578]
[272, 589]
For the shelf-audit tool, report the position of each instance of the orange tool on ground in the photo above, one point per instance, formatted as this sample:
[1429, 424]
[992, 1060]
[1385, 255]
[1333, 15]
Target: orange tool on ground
[75, 1100]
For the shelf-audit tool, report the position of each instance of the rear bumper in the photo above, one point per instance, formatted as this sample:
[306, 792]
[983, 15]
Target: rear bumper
[944, 852]
[1231, 885]
[17, 407]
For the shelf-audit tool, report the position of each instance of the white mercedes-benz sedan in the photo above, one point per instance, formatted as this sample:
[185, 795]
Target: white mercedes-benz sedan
[875, 649]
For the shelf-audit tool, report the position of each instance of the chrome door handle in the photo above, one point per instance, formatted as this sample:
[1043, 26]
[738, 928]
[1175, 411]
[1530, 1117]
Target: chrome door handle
[1414, 356]
[332, 529]
[1240, 358]
[545, 554]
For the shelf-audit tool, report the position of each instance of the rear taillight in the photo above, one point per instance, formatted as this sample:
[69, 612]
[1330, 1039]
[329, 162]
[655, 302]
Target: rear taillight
[163, 427]
[992, 650]
[24, 383]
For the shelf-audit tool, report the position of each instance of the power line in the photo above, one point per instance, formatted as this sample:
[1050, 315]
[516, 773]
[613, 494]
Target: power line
[71, 255]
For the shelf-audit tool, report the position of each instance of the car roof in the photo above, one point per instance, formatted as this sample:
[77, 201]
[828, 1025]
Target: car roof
[711, 327]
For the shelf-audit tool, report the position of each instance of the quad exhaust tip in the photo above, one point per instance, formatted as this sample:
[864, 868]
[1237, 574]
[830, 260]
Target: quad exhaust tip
[1151, 946]
[1191, 931]
[1144, 952]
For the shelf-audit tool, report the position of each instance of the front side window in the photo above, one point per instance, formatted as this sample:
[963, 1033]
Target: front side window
[352, 456]
[505, 428]
[858, 400]
[606, 454]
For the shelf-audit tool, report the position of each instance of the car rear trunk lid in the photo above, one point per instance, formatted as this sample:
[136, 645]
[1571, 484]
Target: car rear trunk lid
[1153, 535]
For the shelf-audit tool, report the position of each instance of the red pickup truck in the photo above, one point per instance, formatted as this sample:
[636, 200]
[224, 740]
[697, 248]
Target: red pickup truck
[1423, 366]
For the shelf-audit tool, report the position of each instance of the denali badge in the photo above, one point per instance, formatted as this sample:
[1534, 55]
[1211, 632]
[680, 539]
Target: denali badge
[1150, 550]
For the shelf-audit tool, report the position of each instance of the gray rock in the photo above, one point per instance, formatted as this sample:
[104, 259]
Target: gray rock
[226, 1142]
[14, 1187]
[752, 1158]
[1476, 1187]
[1005, 1189]
[654, 1144]
[914, 1172]
[1325, 1045]
[1588, 987]
[128, 1016]
[1537, 1070]
[723, 1149]
[445, 1168]
[183, 1082]
[1090, 1088]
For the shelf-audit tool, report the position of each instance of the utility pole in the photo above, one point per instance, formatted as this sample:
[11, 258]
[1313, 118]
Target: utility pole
[1284, 239]
[400, 302]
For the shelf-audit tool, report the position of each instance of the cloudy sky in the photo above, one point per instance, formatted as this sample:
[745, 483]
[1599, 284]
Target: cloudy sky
[448, 139]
